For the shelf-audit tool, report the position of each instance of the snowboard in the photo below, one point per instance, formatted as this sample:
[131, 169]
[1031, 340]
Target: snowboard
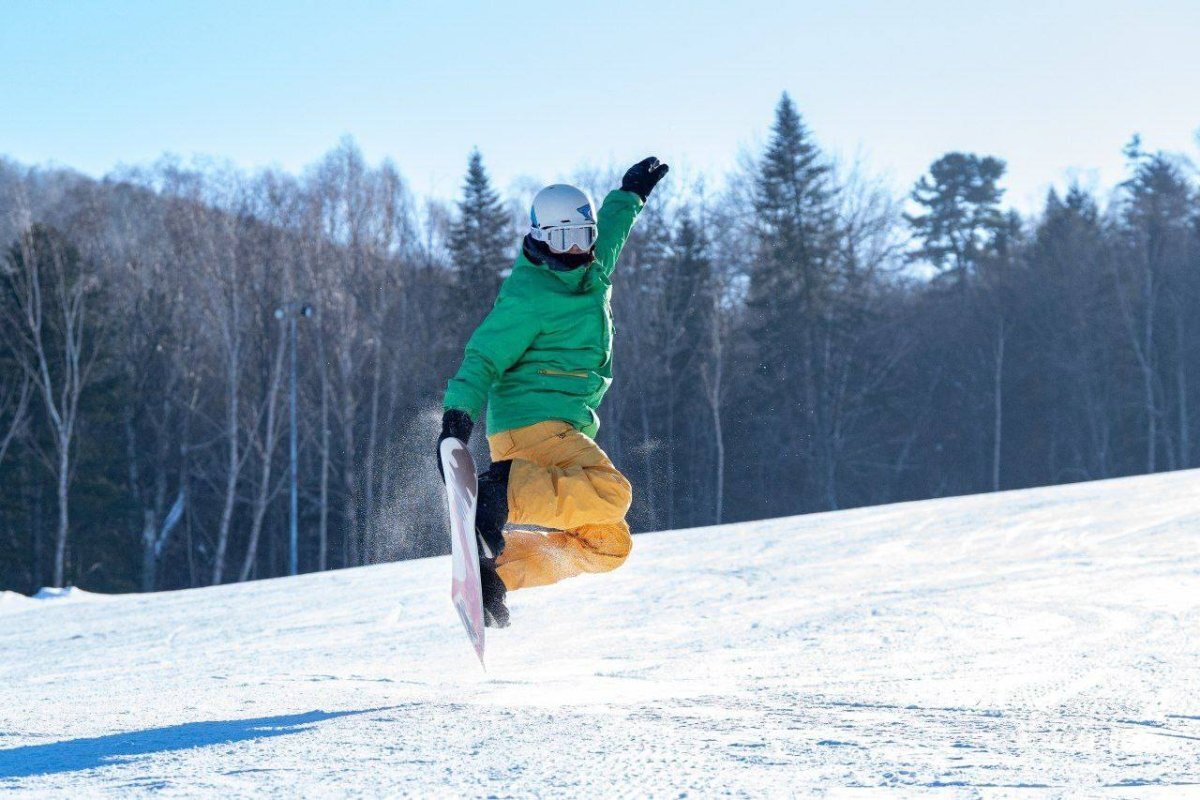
[458, 471]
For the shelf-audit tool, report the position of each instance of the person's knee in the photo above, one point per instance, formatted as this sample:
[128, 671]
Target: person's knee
[622, 547]
[608, 546]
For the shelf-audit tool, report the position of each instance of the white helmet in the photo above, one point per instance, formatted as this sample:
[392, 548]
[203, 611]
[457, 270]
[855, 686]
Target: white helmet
[563, 216]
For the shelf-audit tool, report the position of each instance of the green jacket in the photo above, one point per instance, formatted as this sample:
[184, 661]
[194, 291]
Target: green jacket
[544, 351]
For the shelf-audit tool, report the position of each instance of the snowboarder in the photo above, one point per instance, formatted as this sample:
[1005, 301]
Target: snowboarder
[542, 359]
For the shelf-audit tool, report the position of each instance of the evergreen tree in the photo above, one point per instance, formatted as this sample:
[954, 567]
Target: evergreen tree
[688, 284]
[1069, 309]
[480, 242]
[794, 215]
[795, 234]
[694, 299]
[962, 214]
[684, 321]
[1157, 292]
[963, 234]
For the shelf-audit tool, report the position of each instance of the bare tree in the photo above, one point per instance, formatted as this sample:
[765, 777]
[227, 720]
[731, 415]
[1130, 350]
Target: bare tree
[46, 317]
[224, 306]
[264, 431]
[712, 377]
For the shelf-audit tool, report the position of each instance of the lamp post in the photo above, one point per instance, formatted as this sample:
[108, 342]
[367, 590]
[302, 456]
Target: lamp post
[292, 311]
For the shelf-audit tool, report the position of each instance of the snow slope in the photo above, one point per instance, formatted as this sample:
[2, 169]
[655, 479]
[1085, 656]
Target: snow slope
[1046, 639]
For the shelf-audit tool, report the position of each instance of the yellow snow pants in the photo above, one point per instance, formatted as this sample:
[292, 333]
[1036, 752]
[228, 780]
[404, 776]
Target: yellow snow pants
[560, 479]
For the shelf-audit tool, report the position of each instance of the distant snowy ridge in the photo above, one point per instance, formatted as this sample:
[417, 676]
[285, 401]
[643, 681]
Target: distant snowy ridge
[1041, 642]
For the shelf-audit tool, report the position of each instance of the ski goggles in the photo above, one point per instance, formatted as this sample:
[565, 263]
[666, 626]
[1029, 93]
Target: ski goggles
[563, 239]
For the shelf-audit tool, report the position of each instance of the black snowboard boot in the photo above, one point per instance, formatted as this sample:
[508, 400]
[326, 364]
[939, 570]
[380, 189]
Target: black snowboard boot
[491, 509]
[495, 613]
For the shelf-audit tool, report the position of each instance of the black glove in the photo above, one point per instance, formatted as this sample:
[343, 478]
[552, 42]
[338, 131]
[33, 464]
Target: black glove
[457, 424]
[643, 176]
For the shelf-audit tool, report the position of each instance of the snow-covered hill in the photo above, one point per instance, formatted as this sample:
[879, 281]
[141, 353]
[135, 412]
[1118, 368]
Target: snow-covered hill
[1044, 638]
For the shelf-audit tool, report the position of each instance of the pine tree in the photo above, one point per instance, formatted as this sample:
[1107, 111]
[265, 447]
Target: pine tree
[694, 299]
[962, 216]
[1071, 314]
[794, 215]
[480, 241]
[1157, 290]
[795, 232]
[683, 326]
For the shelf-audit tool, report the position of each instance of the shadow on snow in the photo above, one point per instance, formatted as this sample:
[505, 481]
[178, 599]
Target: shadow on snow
[72, 755]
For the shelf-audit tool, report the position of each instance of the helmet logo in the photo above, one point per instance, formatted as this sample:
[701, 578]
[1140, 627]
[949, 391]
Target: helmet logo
[586, 211]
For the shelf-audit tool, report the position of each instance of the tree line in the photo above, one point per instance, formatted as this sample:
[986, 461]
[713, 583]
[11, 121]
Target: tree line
[800, 341]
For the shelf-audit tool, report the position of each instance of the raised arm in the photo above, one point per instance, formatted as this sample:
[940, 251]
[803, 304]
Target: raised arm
[615, 220]
[620, 209]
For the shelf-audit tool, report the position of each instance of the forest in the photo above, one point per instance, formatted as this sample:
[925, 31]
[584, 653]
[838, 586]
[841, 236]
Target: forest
[801, 339]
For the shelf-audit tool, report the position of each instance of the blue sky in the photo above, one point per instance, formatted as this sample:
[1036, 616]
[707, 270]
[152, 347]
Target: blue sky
[1055, 88]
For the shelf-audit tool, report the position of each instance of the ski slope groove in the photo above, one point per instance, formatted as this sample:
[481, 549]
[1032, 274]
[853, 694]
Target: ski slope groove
[1043, 642]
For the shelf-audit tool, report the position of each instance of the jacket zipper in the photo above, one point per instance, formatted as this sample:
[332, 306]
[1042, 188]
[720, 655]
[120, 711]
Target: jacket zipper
[560, 373]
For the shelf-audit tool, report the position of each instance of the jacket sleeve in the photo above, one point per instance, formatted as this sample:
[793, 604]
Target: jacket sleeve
[499, 342]
[614, 221]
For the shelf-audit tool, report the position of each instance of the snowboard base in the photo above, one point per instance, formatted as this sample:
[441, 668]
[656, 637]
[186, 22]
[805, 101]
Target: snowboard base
[466, 593]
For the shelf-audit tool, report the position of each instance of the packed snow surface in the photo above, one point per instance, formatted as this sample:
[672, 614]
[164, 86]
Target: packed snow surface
[1033, 643]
